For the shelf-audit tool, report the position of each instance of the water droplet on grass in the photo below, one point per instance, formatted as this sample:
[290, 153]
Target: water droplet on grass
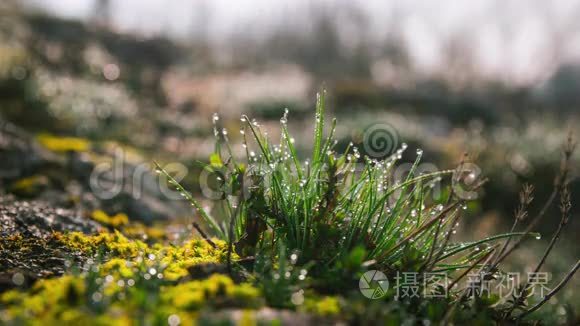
[293, 257]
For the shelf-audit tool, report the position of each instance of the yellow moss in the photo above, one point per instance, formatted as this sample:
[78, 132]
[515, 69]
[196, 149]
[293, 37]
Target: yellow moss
[327, 306]
[247, 318]
[66, 299]
[57, 301]
[118, 266]
[29, 186]
[138, 231]
[114, 221]
[11, 296]
[195, 294]
[63, 144]
[174, 272]
[246, 291]
[115, 243]
[175, 259]
[131, 154]
[46, 298]
[193, 252]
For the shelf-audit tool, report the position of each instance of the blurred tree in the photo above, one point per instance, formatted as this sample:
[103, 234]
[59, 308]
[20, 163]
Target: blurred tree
[102, 13]
[561, 90]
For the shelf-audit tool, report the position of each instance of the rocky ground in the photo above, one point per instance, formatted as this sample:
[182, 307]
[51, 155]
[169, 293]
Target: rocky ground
[27, 250]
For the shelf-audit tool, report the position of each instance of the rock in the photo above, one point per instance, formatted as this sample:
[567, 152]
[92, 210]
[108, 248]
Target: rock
[30, 171]
[21, 156]
[39, 219]
[27, 248]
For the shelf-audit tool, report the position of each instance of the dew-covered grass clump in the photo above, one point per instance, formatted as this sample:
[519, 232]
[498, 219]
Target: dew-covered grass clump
[292, 240]
[339, 214]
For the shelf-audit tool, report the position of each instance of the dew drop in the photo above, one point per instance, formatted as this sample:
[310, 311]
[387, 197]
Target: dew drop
[173, 320]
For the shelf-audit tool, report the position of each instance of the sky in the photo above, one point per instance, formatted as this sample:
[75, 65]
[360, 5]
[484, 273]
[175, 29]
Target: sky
[507, 37]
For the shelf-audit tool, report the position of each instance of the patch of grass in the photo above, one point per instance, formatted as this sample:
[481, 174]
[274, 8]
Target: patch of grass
[332, 204]
[342, 214]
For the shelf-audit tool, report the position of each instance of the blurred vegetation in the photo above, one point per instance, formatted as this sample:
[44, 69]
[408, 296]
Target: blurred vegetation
[77, 86]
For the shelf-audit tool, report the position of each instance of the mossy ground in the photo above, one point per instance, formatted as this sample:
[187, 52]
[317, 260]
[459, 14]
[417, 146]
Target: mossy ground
[124, 281]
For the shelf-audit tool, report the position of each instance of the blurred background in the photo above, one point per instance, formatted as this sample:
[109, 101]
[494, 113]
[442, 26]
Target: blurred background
[498, 79]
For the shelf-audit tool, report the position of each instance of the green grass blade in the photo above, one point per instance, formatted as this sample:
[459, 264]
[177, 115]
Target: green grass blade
[466, 246]
[212, 223]
[319, 128]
